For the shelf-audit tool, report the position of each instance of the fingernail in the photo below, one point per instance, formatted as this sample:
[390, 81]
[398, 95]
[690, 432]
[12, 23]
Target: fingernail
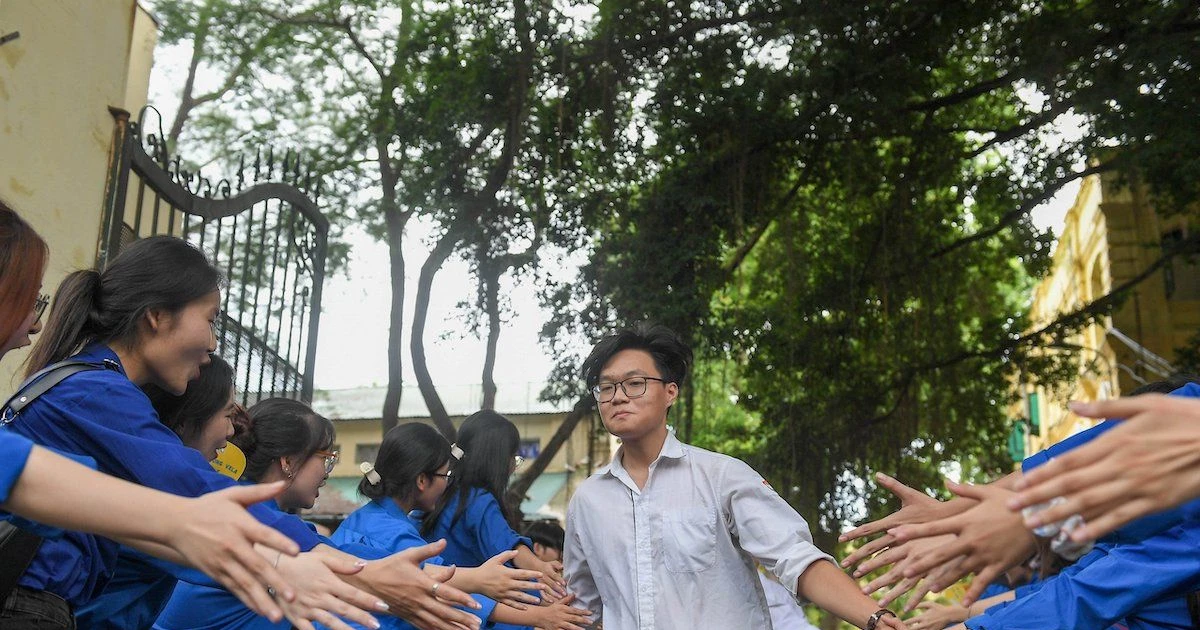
[382, 605]
[360, 563]
[375, 624]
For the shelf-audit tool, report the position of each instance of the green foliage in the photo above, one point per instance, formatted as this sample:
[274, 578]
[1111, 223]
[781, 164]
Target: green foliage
[831, 201]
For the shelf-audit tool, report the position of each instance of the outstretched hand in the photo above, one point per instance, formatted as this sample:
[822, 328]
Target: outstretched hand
[215, 534]
[1149, 463]
[988, 539]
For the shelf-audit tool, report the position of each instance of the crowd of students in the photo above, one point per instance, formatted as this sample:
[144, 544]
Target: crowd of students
[104, 468]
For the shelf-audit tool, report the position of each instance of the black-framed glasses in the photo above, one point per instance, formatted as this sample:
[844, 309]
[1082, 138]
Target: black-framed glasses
[634, 387]
[331, 459]
[39, 307]
[447, 475]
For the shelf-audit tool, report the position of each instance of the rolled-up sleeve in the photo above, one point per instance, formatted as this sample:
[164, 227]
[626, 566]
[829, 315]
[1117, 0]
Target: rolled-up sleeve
[767, 527]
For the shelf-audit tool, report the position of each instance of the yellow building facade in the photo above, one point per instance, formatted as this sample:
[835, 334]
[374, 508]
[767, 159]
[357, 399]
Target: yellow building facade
[70, 62]
[1112, 235]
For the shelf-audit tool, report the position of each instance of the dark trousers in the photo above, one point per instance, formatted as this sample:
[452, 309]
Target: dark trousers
[26, 609]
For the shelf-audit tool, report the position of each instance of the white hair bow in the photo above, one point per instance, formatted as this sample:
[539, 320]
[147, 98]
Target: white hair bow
[368, 469]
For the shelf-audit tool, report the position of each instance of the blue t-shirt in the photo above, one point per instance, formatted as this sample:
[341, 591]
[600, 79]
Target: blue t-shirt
[381, 525]
[480, 533]
[102, 414]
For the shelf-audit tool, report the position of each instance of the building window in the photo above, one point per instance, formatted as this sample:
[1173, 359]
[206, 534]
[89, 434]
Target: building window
[366, 453]
[530, 449]
[1181, 276]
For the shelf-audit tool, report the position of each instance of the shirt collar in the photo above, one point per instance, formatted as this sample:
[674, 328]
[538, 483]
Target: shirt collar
[100, 353]
[672, 448]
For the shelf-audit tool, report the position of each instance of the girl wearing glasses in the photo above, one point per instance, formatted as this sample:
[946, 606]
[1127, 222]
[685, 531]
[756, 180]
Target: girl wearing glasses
[471, 515]
[409, 476]
[283, 440]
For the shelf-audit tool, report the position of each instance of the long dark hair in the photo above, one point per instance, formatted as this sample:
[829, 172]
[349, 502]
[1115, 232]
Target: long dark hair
[281, 427]
[407, 452]
[188, 414]
[23, 256]
[158, 272]
[489, 442]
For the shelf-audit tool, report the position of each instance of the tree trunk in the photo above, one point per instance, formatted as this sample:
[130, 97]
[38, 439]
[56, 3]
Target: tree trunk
[489, 275]
[437, 411]
[395, 347]
[395, 222]
[517, 489]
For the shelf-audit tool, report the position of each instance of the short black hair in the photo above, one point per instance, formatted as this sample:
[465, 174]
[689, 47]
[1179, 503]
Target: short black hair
[672, 357]
[548, 533]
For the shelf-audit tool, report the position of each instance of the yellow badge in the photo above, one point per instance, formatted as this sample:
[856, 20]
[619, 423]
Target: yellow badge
[230, 461]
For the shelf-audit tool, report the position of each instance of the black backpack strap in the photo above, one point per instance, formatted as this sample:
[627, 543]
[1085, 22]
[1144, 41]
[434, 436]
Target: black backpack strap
[17, 546]
[40, 383]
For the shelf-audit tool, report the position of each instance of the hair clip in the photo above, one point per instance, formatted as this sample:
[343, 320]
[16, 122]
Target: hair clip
[456, 452]
[368, 469]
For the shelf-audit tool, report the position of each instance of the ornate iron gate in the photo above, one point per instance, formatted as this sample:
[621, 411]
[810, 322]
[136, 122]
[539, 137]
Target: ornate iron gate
[260, 226]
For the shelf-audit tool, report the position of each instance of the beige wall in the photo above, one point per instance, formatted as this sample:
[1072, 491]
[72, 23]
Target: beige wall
[72, 61]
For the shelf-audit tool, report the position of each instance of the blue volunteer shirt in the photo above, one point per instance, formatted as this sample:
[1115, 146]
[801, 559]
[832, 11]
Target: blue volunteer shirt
[480, 533]
[381, 525]
[102, 414]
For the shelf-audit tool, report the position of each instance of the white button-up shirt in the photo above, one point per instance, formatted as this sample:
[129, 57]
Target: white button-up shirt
[680, 552]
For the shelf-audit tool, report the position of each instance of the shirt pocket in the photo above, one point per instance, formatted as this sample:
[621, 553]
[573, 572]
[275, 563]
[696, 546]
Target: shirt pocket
[689, 539]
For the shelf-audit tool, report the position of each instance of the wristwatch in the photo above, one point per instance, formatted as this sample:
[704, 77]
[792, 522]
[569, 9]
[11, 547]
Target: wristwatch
[873, 620]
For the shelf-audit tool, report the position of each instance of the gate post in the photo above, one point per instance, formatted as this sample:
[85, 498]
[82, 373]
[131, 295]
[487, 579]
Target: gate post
[114, 190]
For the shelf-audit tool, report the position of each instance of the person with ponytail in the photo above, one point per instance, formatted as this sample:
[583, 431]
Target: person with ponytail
[471, 515]
[409, 476]
[148, 319]
[203, 418]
